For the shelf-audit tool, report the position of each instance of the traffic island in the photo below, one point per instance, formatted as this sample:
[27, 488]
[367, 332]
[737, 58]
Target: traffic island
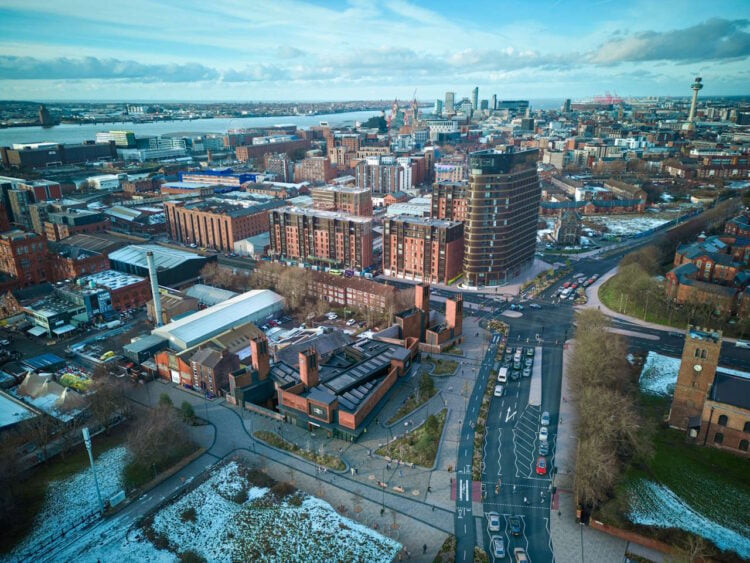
[278, 442]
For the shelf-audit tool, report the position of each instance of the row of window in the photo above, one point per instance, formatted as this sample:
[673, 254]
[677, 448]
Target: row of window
[724, 420]
[742, 446]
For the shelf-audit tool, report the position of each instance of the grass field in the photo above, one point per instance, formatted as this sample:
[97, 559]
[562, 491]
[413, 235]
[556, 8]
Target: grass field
[416, 447]
[442, 367]
[653, 314]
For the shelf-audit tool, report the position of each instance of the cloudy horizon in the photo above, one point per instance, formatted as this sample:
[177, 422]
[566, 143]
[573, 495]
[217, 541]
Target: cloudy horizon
[289, 50]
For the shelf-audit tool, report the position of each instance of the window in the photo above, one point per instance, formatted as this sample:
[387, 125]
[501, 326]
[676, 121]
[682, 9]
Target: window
[747, 427]
[743, 445]
[718, 438]
[723, 420]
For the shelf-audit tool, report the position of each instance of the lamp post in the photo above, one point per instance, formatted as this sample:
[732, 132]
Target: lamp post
[87, 441]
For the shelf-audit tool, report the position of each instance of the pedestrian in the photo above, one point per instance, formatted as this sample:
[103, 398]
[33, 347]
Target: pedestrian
[424, 548]
[400, 473]
[429, 489]
[525, 500]
[433, 509]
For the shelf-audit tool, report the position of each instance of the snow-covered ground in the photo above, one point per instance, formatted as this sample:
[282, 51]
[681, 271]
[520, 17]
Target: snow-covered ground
[69, 500]
[653, 504]
[251, 527]
[626, 224]
[659, 374]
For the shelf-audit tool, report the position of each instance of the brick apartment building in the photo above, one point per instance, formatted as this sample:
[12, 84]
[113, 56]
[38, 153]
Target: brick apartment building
[62, 224]
[143, 185]
[279, 164]
[351, 200]
[217, 223]
[449, 201]
[427, 250]
[23, 256]
[69, 262]
[314, 169]
[254, 152]
[321, 237]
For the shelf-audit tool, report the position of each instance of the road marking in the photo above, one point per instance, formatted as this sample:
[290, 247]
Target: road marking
[510, 416]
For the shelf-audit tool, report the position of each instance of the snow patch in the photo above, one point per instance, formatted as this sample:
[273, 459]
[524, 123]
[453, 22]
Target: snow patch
[653, 504]
[659, 374]
[626, 225]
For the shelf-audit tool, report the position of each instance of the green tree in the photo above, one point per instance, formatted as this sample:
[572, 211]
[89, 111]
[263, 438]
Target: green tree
[165, 400]
[426, 385]
[188, 413]
[431, 426]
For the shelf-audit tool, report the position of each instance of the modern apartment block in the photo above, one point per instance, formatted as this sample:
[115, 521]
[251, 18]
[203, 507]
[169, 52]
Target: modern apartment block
[427, 250]
[315, 169]
[502, 212]
[217, 223]
[449, 201]
[321, 237]
[351, 200]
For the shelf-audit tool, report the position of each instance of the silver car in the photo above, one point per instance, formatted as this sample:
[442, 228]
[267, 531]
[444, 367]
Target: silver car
[498, 547]
[545, 418]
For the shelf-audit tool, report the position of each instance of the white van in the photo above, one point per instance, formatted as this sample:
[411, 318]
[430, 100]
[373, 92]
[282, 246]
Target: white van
[502, 375]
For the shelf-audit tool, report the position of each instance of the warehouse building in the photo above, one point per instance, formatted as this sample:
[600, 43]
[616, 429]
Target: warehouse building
[172, 265]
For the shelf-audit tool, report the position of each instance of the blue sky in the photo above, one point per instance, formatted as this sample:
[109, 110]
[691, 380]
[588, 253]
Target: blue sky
[365, 49]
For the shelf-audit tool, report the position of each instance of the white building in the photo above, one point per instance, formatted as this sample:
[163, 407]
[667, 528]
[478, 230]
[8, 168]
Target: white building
[106, 182]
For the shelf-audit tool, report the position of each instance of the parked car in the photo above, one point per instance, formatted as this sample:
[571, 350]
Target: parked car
[515, 525]
[545, 418]
[351, 322]
[529, 362]
[498, 547]
[499, 390]
[530, 352]
[520, 555]
[541, 465]
[515, 374]
[534, 306]
[5, 342]
[493, 521]
[527, 372]
[543, 448]
[543, 433]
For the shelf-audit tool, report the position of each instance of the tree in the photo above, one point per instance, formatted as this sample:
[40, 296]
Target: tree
[165, 401]
[188, 413]
[431, 426]
[107, 399]
[40, 430]
[426, 385]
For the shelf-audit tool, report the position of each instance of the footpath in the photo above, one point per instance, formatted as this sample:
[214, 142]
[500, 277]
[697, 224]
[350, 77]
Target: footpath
[572, 541]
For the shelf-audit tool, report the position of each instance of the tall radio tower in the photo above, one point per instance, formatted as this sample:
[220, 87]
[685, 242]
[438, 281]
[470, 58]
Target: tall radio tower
[696, 87]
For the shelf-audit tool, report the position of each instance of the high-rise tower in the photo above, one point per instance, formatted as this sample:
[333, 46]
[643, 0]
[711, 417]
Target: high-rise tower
[475, 98]
[696, 87]
[450, 100]
[501, 217]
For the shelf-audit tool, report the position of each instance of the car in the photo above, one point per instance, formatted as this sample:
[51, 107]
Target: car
[498, 547]
[545, 418]
[499, 390]
[351, 322]
[543, 433]
[493, 521]
[514, 522]
[541, 465]
[519, 307]
[515, 374]
[265, 328]
[543, 448]
[530, 352]
[332, 316]
[528, 363]
[534, 306]
[520, 555]
[512, 306]
[273, 323]
[527, 372]
[5, 342]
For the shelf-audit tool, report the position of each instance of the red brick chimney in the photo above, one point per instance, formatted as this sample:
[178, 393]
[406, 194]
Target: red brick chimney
[259, 356]
[308, 367]
[454, 313]
[422, 298]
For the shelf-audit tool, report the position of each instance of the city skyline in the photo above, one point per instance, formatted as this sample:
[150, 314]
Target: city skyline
[361, 49]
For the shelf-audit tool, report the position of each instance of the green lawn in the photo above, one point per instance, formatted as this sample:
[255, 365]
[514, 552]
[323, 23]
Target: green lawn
[442, 367]
[411, 404]
[416, 447]
[32, 488]
[655, 313]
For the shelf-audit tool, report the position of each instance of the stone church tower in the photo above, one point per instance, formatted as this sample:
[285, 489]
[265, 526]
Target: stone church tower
[700, 357]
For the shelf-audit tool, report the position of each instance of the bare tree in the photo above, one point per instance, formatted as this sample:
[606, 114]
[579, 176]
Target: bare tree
[107, 400]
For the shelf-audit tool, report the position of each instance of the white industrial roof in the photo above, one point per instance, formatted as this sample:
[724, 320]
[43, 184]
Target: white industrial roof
[112, 279]
[12, 411]
[164, 257]
[251, 306]
[208, 294]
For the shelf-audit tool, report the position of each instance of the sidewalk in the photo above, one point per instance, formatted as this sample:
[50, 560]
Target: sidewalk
[572, 541]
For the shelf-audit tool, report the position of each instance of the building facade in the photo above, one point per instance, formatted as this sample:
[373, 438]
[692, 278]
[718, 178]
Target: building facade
[321, 237]
[216, 223]
[502, 213]
[314, 169]
[23, 256]
[426, 250]
[351, 200]
[449, 201]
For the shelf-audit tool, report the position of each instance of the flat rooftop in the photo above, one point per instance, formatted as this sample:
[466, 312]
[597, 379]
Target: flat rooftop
[112, 279]
[325, 214]
[164, 257]
[13, 411]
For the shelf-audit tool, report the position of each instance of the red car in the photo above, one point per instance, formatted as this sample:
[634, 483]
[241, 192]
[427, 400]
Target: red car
[541, 465]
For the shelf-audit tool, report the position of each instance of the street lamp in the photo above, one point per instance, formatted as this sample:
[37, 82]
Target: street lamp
[87, 441]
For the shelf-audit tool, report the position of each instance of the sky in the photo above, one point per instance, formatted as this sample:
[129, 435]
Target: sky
[283, 50]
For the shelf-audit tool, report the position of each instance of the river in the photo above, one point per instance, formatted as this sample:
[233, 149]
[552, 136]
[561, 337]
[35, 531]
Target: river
[70, 133]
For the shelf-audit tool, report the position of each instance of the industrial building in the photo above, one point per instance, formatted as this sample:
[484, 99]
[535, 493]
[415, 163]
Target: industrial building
[173, 266]
[250, 307]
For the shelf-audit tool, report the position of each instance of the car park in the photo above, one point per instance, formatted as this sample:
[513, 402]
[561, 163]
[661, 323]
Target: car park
[498, 547]
[545, 418]
[493, 521]
[499, 390]
[514, 522]
[541, 465]
[543, 433]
